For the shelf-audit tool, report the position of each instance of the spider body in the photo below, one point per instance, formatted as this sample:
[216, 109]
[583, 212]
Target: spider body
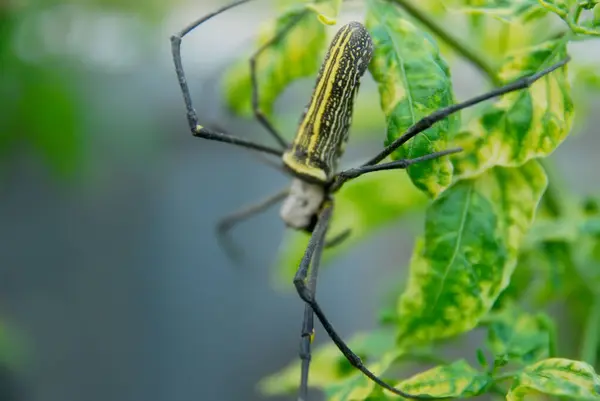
[323, 130]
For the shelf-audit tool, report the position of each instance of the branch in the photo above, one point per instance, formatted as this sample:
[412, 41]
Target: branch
[456, 44]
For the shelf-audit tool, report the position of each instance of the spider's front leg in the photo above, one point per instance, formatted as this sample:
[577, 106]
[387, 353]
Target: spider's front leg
[428, 121]
[351, 173]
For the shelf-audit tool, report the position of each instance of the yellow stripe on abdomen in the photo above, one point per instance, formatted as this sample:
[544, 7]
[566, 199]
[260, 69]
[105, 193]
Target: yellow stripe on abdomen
[324, 126]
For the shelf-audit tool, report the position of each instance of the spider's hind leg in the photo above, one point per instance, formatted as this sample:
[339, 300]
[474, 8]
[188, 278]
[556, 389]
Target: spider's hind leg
[226, 223]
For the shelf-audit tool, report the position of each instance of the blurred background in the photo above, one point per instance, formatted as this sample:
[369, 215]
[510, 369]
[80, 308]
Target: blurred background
[112, 284]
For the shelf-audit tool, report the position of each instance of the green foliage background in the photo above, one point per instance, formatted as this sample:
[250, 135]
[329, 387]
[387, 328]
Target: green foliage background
[43, 114]
[499, 238]
[502, 241]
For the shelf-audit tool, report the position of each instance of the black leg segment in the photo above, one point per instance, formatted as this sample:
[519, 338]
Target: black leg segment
[440, 114]
[192, 117]
[351, 173]
[312, 252]
[228, 222]
[260, 116]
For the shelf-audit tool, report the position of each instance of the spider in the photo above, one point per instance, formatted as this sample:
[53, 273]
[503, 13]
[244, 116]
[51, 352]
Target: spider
[312, 160]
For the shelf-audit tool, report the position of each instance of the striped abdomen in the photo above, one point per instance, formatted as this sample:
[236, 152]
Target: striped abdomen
[323, 130]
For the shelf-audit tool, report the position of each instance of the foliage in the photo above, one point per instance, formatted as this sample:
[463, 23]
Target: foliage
[295, 55]
[41, 105]
[44, 110]
[413, 82]
[498, 239]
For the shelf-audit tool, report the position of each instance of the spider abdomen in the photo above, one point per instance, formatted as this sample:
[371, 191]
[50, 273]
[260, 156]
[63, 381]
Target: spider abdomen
[323, 130]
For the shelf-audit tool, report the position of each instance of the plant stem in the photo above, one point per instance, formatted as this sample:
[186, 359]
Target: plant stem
[506, 375]
[591, 336]
[577, 14]
[551, 199]
[459, 47]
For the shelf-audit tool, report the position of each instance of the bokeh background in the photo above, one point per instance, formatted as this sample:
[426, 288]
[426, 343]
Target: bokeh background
[112, 284]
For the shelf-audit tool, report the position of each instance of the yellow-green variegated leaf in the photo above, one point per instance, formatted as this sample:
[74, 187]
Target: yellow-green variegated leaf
[327, 11]
[413, 81]
[498, 37]
[328, 366]
[559, 7]
[566, 10]
[515, 335]
[456, 380]
[358, 387]
[468, 252]
[297, 55]
[522, 125]
[363, 205]
[556, 377]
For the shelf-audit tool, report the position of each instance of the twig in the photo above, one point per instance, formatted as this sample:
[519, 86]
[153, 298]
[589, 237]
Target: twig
[456, 44]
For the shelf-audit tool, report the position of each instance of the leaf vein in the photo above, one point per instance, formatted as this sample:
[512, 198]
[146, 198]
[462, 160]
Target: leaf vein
[459, 233]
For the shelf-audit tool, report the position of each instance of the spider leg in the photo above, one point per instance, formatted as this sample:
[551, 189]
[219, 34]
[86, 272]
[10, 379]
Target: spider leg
[440, 114]
[228, 222]
[260, 157]
[351, 173]
[198, 130]
[313, 254]
[306, 337]
[308, 326]
[338, 239]
[258, 113]
[308, 329]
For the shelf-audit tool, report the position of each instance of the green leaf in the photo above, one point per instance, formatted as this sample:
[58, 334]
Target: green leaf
[40, 106]
[481, 359]
[504, 10]
[563, 229]
[521, 125]
[363, 205]
[517, 335]
[413, 81]
[458, 379]
[587, 261]
[469, 250]
[587, 76]
[557, 377]
[296, 55]
[55, 130]
[328, 366]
